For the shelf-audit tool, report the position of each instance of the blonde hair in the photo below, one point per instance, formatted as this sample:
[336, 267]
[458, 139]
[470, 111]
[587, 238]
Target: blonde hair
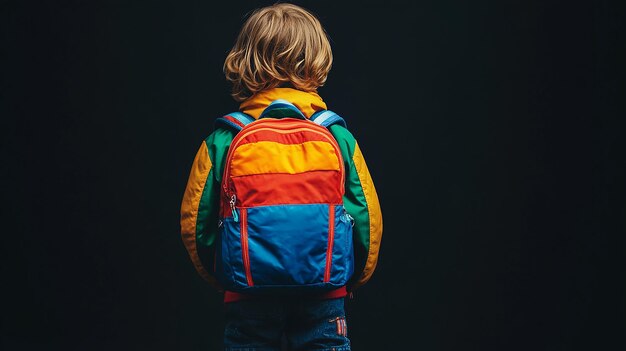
[282, 44]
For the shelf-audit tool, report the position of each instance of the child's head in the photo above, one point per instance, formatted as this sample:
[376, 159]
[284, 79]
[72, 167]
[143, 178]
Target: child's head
[279, 45]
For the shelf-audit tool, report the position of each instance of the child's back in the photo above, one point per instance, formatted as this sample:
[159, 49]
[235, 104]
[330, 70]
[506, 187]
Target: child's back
[292, 205]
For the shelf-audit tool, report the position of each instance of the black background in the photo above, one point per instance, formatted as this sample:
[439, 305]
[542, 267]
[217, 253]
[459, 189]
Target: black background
[492, 130]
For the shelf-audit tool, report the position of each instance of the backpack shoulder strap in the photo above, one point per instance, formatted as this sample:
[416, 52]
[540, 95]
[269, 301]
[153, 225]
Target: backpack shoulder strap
[234, 120]
[327, 118]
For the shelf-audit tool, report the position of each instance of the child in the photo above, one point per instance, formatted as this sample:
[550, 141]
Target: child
[282, 52]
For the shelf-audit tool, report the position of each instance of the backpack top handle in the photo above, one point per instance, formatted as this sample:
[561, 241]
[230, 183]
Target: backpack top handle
[280, 109]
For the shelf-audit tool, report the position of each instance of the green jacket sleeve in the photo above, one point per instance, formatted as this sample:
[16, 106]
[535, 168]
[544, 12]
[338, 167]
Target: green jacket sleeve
[361, 202]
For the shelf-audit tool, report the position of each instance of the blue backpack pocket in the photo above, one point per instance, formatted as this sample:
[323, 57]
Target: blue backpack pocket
[286, 248]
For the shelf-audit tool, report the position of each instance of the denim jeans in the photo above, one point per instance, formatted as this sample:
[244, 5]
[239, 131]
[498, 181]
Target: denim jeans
[302, 324]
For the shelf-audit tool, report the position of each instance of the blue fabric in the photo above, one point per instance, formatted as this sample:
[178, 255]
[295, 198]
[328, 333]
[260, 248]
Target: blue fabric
[223, 122]
[326, 118]
[229, 261]
[287, 246]
[240, 116]
[343, 250]
[302, 324]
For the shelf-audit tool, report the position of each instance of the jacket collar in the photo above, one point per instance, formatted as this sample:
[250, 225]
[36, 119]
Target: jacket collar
[307, 102]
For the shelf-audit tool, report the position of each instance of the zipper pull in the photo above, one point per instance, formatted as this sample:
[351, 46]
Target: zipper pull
[233, 199]
[350, 218]
[347, 217]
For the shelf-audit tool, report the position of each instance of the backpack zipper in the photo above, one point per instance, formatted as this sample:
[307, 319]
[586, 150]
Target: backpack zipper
[233, 199]
[331, 241]
[244, 246]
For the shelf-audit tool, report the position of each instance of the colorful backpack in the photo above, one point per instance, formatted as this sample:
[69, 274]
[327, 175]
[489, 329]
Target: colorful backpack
[283, 226]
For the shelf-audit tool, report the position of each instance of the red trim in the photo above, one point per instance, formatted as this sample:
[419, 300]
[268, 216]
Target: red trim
[244, 245]
[231, 296]
[235, 120]
[331, 240]
[341, 292]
